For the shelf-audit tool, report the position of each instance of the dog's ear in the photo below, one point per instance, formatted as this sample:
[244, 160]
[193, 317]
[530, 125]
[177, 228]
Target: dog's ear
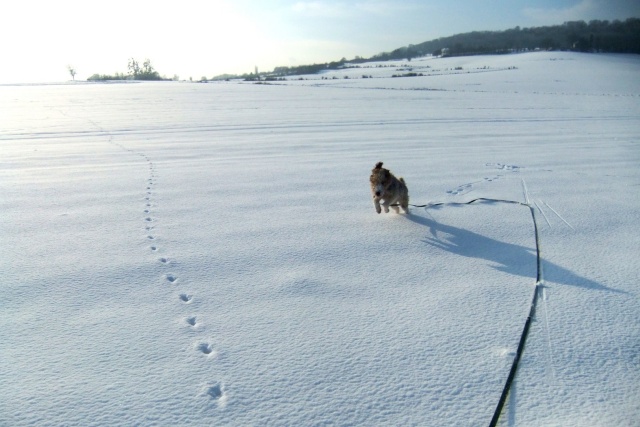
[378, 165]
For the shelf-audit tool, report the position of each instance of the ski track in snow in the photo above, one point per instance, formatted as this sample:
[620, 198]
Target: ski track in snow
[558, 215]
[543, 214]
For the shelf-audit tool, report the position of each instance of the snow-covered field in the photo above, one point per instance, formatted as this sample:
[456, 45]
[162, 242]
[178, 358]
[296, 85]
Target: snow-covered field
[208, 254]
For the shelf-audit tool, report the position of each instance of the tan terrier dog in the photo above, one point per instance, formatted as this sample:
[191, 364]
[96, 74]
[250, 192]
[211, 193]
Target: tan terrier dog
[391, 190]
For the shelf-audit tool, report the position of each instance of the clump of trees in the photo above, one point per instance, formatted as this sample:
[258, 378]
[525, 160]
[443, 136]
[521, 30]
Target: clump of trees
[146, 72]
[136, 72]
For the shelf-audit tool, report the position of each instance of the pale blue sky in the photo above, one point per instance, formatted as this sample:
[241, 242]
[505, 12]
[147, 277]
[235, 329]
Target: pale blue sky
[39, 38]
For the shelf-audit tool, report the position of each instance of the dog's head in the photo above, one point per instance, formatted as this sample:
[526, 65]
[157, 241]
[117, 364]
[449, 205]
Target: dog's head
[379, 179]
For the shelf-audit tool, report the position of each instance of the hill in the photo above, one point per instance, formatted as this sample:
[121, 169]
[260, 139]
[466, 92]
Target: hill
[595, 36]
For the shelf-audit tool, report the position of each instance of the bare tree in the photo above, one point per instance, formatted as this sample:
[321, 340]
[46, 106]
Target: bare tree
[72, 71]
[134, 68]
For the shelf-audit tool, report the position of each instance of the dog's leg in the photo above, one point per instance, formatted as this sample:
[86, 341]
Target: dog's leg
[405, 205]
[385, 205]
[376, 203]
[395, 203]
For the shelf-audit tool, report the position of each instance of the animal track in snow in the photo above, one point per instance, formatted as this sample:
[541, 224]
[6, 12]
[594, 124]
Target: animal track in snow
[217, 393]
[469, 187]
[461, 189]
[502, 166]
[214, 391]
[206, 348]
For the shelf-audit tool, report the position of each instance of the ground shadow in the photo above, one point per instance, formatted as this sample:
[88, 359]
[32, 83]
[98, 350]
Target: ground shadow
[513, 259]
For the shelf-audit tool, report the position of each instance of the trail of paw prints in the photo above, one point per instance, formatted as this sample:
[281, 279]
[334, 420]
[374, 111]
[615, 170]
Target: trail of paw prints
[502, 166]
[463, 189]
[147, 211]
[215, 392]
[204, 349]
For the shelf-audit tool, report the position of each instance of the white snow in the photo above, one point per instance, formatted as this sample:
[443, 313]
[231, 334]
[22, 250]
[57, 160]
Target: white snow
[208, 254]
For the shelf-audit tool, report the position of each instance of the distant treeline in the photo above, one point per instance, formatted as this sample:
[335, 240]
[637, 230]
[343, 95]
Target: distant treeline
[286, 71]
[309, 69]
[595, 36]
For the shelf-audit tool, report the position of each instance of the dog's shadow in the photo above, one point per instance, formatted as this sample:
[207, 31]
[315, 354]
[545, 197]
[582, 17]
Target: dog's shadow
[507, 257]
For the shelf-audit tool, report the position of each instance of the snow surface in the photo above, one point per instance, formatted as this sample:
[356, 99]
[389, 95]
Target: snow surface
[208, 254]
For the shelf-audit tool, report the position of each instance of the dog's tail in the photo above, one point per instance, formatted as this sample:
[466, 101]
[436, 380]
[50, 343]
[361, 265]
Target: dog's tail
[378, 165]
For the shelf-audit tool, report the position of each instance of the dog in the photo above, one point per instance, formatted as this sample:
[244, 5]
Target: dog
[390, 190]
